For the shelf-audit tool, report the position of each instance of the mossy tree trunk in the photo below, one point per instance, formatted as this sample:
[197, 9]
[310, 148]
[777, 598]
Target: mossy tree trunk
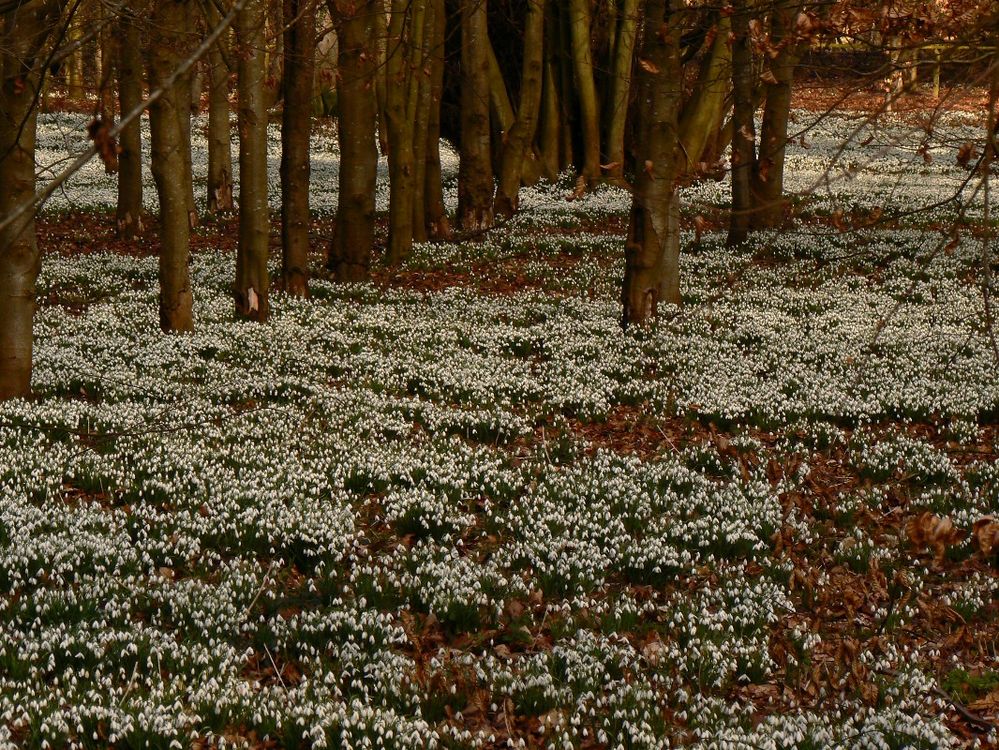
[521, 135]
[586, 90]
[620, 87]
[435, 213]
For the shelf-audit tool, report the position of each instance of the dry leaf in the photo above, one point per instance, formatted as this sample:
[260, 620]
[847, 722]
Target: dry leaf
[985, 533]
[648, 66]
[935, 532]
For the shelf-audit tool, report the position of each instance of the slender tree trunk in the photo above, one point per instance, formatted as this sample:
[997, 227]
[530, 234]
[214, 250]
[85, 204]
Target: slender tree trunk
[109, 52]
[74, 66]
[220, 199]
[128, 214]
[475, 171]
[620, 87]
[252, 281]
[651, 250]
[500, 107]
[296, 126]
[435, 214]
[405, 41]
[22, 34]
[183, 87]
[354, 234]
[421, 121]
[521, 135]
[589, 111]
[701, 116]
[381, 81]
[550, 128]
[743, 125]
[168, 164]
[768, 172]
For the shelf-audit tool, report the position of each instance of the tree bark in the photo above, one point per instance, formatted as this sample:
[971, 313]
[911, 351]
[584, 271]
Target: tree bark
[435, 214]
[183, 87]
[405, 43]
[296, 127]
[128, 213]
[743, 125]
[652, 249]
[521, 135]
[701, 116]
[252, 281]
[220, 198]
[475, 171]
[168, 164]
[586, 91]
[421, 118]
[354, 234]
[620, 87]
[768, 172]
[23, 32]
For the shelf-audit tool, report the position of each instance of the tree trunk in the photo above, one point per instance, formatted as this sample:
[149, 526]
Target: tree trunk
[252, 281]
[183, 87]
[501, 109]
[128, 214]
[22, 34]
[296, 126]
[354, 234]
[109, 52]
[405, 43]
[586, 91]
[475, 171]
[620, 86]
[168, 164]
[550, 127]
[652, 249]
[702, 115]
[435, 214]
[381, 81]
[220, 199]
[743, 125]
[521, 135]
[768, 172]
[421, 119]
[74, 66]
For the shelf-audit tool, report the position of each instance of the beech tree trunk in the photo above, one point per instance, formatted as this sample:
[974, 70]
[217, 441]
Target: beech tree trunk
[521, 135]
[421, 119]
[405, 43]
[768, 171]
[743, 125]
[354, 234]
[170, 160]
[128, 213]
[23, 32]
[252, 281]
[184, 116]
[620, 87]
[220, 198]
[586, 91]
[652, 247]
[475, 170]
[435, 214]
[296, 127]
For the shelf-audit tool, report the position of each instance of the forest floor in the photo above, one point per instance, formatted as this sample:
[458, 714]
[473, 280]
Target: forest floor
[460, 507]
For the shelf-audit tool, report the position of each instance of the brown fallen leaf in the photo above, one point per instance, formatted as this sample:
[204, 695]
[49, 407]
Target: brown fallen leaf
[932, 531]
[985, 533]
